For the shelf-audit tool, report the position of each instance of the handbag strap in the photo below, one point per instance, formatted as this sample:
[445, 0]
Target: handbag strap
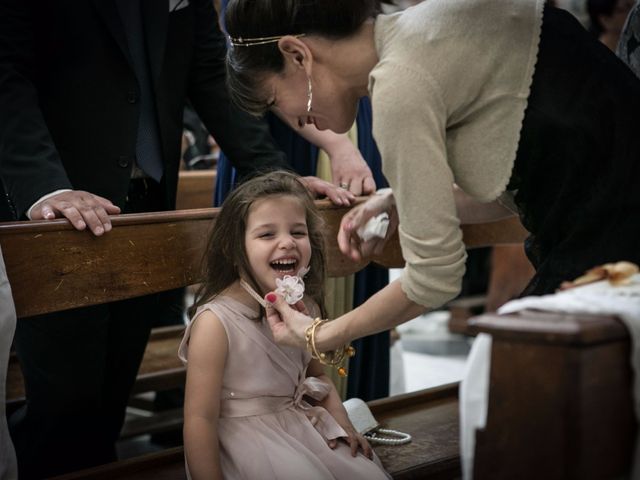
[374, 437]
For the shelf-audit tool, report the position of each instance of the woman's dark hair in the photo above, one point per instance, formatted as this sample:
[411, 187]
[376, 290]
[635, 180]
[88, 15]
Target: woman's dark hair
[595, 8]
[247, 66]
[225, 256]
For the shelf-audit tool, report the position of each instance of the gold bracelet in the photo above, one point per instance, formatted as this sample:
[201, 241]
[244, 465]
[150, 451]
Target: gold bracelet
[333, 358]
[309, 336]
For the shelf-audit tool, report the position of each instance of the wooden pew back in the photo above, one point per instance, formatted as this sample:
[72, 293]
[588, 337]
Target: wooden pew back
[195, 189]
[560, 398]
[53, 267]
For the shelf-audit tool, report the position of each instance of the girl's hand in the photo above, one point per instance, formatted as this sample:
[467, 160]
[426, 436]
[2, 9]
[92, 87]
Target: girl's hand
[319, 187]
[287, 324]
[350, 242]
[355, 440]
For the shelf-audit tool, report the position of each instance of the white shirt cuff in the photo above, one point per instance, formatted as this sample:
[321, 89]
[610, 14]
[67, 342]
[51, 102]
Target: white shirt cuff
[44, 197]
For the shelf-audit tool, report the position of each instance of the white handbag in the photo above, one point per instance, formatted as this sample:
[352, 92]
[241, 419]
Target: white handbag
[366, 424]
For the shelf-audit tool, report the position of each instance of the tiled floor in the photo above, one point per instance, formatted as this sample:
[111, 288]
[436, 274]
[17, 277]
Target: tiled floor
[427, 354]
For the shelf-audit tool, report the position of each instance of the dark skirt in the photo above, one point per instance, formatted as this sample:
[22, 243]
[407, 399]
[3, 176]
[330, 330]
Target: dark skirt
[576, 176]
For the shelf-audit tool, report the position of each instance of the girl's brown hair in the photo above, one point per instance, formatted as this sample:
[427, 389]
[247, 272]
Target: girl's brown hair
[225, 256]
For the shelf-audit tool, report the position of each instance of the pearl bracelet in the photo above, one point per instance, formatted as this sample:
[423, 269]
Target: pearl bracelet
[374, 438]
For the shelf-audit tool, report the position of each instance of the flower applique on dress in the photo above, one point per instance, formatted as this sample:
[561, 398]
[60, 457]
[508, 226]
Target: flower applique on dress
[291, 287]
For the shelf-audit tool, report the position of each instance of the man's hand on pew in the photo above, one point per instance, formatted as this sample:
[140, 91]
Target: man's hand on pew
[81, 208]
[319, 187]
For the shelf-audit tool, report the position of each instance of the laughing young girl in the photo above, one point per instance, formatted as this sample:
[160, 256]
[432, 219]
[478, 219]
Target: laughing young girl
[254, 409]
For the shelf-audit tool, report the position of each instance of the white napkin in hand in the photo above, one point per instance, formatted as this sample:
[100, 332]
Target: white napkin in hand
[376, 227]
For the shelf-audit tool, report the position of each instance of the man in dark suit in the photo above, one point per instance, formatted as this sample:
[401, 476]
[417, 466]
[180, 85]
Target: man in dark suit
[91, 101]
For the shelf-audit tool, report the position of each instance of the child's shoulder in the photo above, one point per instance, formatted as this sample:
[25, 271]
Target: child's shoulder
[215, 311]
[205, 331]
[207, 321]
[229, 303]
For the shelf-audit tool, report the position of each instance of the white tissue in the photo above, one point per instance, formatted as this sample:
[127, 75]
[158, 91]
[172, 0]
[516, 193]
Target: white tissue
[376, 227]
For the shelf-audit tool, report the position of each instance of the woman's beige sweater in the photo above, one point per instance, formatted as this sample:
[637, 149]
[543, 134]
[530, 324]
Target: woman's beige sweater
[449, 95]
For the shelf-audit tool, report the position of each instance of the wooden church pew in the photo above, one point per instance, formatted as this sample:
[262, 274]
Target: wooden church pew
[560, 398]
[52, 267]
[431, 416]
[195, 189]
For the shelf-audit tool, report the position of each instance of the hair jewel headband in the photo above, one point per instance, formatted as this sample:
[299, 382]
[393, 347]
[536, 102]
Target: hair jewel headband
[250, 42]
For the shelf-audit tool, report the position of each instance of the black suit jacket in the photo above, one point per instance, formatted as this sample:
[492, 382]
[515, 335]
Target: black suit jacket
[69, 96]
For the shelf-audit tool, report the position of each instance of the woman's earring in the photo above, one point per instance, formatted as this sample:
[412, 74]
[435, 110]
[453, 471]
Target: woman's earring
[309, 96]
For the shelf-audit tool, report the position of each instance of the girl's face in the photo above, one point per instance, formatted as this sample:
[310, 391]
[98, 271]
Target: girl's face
[276, 240]
[332, 107]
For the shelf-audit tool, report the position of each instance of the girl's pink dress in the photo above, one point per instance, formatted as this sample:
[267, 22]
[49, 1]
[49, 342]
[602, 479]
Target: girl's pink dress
[267, 430]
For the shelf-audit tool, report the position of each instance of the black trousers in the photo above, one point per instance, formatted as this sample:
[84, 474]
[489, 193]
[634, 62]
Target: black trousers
[79, 366]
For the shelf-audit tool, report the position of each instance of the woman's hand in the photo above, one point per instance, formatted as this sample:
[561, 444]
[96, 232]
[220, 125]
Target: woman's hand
[319, 187]
[350, 242]
[349, 170]
[287, 324]
[355, 440]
